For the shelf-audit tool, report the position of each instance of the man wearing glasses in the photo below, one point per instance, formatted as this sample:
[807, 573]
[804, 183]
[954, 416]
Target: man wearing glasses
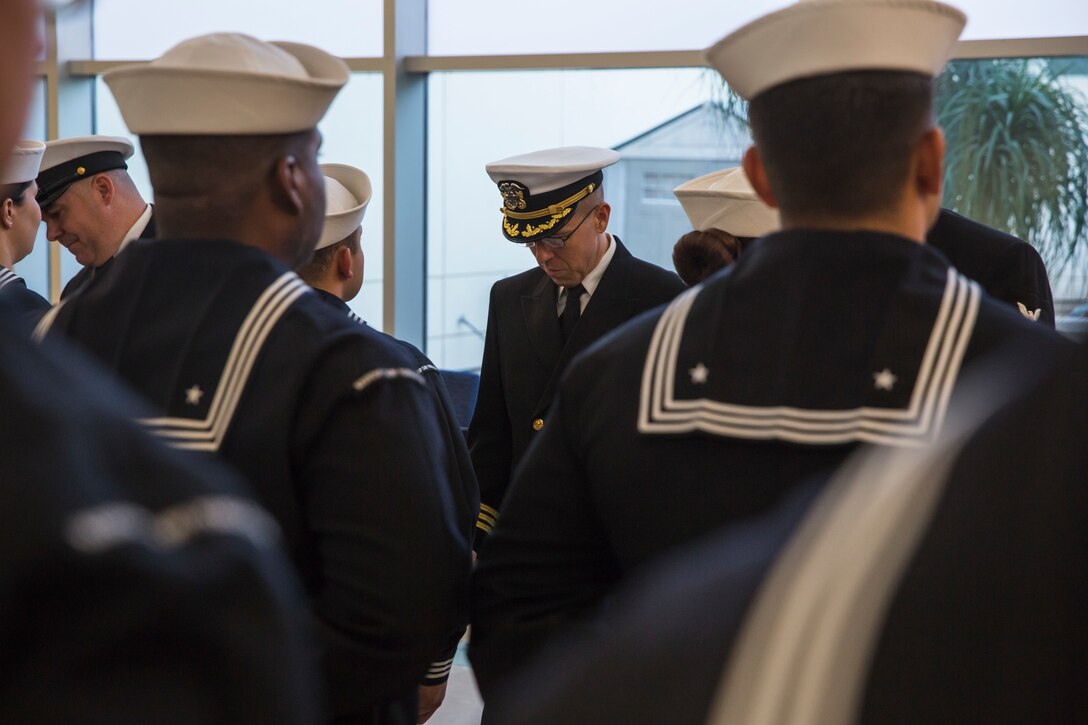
[585, 284]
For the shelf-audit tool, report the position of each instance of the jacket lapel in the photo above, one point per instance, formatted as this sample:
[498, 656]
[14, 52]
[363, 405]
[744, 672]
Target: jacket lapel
[542, 322]
[608, 307]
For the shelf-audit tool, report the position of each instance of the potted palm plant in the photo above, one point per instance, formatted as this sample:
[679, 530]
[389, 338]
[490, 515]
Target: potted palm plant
[1017, 154]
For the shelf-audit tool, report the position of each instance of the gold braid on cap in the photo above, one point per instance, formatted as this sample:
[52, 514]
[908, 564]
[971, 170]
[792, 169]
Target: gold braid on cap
[556, 210]
[529, 230]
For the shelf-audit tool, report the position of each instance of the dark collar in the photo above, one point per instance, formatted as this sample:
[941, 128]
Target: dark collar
[819, 338]
[331, 299]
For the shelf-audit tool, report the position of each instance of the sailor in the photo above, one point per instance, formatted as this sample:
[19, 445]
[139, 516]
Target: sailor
[964, 579]
[843, 328]
[19, 221]
[726, 214]
[138, 585]
[585, 284]
[1006, 267]
[89, 203]
[336, 270]
[336, 275]
[328, 420]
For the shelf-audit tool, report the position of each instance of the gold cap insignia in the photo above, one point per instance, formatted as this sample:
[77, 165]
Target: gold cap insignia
[513, 195]
[81, 171]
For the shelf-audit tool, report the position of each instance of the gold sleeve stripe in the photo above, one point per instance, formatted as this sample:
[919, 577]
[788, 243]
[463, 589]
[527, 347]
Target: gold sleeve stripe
[484, 508]
[487, 519]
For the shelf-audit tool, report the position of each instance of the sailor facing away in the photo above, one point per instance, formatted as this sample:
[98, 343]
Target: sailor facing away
[844, 328]
[336, 275]
[554, 205]
[935, 584]
[139, 585]
[328, 420]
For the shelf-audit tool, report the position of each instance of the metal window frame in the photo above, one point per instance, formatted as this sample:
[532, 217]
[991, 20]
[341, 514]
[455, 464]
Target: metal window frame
[405, 65]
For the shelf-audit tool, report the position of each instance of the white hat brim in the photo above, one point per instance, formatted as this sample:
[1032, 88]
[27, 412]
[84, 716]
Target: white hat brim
[725, 200]
[340, 225]
[63, 150]
[820, 37]
[739, 217]
[173, 100]
[23, 164]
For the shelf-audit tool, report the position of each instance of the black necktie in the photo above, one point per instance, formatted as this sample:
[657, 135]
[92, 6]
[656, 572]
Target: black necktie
[572, 310]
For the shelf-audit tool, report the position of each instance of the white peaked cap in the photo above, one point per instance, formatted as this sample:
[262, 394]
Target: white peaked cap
[725, 200]
[551, 169]
[68, 160]
[820, 37]
[228, 84]
[347, 194]
[22, 165]
[541, 189]
[63, 150]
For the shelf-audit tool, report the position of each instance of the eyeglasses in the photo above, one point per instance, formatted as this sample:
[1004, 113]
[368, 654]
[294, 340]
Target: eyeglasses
[558, 242]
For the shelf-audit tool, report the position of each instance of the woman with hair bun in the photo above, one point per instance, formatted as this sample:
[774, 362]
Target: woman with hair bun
[727, 215]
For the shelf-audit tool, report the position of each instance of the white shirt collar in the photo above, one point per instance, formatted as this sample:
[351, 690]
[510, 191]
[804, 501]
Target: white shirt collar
[593, 279]
[136, 229]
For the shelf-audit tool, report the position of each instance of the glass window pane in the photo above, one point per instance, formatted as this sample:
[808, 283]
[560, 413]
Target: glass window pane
[663, 122]
[352, 131]
[1000, 19]
[495, 27]
[136, 29]
[1017, 158]
[484, 27]
[34, 268]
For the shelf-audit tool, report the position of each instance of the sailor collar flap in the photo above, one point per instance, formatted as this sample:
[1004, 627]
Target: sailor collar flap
[872, 357]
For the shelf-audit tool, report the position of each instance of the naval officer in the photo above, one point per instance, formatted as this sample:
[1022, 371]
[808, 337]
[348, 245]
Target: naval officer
[19, 221]
[585, 284]
[843, 328]
[336, 274]
[329, 421]
[89, 203]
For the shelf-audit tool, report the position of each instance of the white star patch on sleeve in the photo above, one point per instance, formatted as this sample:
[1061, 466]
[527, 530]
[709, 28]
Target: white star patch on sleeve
[1030, 314]
[884, 380]
[699, 374]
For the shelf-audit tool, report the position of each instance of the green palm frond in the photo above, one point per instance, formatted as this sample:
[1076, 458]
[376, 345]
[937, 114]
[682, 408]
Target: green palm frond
[1017, 152]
